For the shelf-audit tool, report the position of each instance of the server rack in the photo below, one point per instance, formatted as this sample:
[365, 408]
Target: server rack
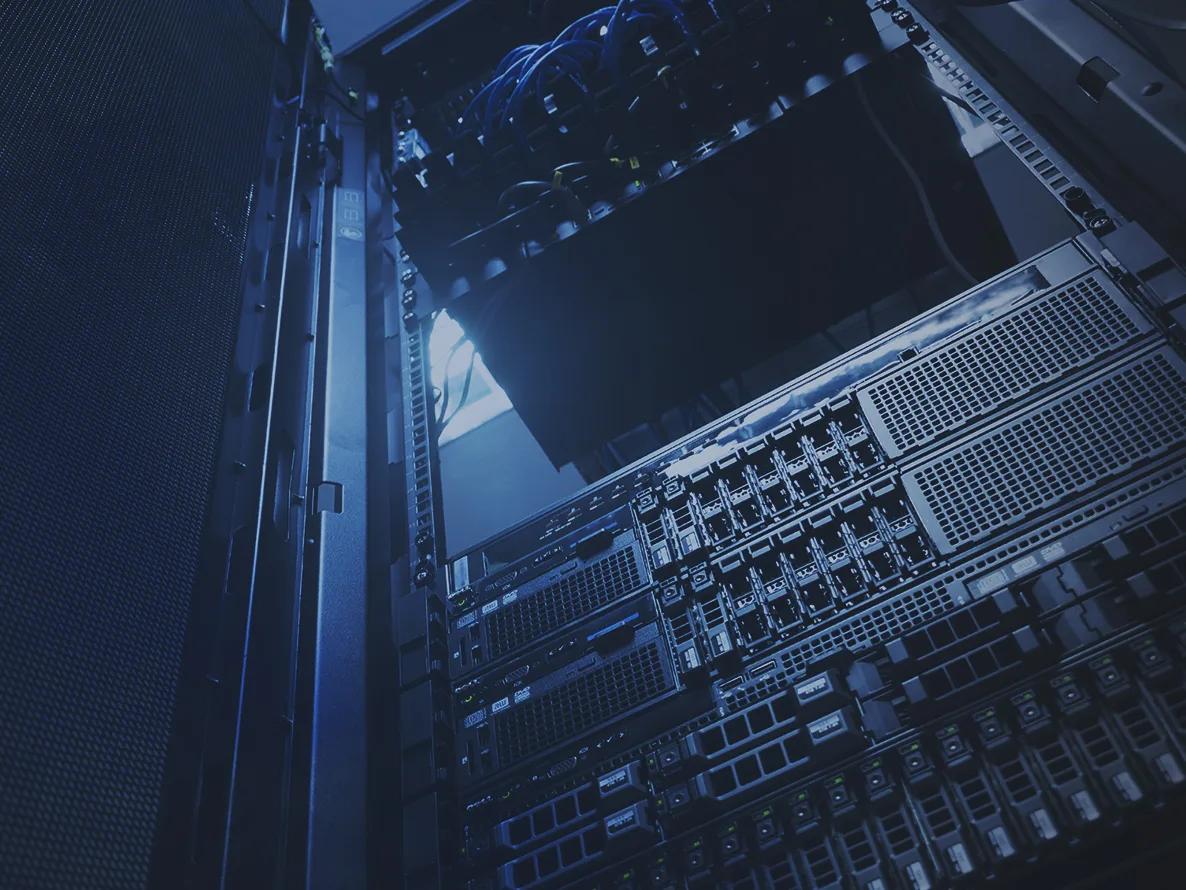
[541, 778]
[302, 728]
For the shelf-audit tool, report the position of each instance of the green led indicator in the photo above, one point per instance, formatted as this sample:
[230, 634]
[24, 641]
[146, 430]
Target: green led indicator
[876, 764]
[731, 829]
[695, 844]
[1028, 696]
[802, 796]
[914, 747]
[990, 713]
[839, 780]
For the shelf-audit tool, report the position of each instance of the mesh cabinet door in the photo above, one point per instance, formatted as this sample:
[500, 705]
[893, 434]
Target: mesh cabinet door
[132, 138]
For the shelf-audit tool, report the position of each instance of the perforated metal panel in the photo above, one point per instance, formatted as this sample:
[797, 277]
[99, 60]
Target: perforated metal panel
[881, 623]
[568, 599]
[581, 704]
[131, 136]
[1095, 431]
[999, 363]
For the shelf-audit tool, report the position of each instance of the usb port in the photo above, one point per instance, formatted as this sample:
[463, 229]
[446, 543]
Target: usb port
[761, 669]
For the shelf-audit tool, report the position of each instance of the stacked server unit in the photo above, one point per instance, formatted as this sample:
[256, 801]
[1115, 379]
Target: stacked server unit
[911, 621]
[914, 621]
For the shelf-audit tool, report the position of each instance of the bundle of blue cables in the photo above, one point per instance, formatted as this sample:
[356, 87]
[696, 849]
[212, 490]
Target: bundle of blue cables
[595, 39]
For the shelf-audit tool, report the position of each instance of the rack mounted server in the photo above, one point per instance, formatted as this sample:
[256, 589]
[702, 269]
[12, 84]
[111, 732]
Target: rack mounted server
[911, 621]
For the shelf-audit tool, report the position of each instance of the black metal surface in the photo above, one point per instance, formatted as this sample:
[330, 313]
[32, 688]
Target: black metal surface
[133, 149]
[784, 232]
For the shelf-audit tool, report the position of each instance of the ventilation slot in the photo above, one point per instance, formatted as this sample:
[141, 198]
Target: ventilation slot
[1000, 362]
[580, 705]
[889, 620]
[567, 600]
[1097, 431]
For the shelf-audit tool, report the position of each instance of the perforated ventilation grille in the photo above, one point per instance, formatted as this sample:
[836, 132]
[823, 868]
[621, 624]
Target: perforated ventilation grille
[566, 600]
[581, 704]
[999, 363]
[1097, 431]
[887, 621]
[132, 139]
[876, 625]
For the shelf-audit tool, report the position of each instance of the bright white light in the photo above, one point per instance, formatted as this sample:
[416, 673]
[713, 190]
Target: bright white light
[975, 134]
[604, 30]
[487, 399]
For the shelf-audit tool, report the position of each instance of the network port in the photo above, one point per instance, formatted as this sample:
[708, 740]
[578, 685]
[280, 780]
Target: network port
[834, 467]
[881, 564]
[804, 482]
[751, 622]
[914, 549]
[783, 611]
[863, 452]
[816, 596]
[850, 583]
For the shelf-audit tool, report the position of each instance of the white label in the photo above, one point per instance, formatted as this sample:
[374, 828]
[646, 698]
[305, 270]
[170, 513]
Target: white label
[523, 694]
[1024, 565]
[989, 583]
[489, 607]
[824, 726]
[618, 821]
[1044, 825]
[466, 620]
[612, 781]
[474, 718]
[1088, 811]
[959, 859]
[812, 687]
[1001, 843]
[501, 705]
[1170, 769]
[919, 879]
[510, 597]
[1127, 786]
